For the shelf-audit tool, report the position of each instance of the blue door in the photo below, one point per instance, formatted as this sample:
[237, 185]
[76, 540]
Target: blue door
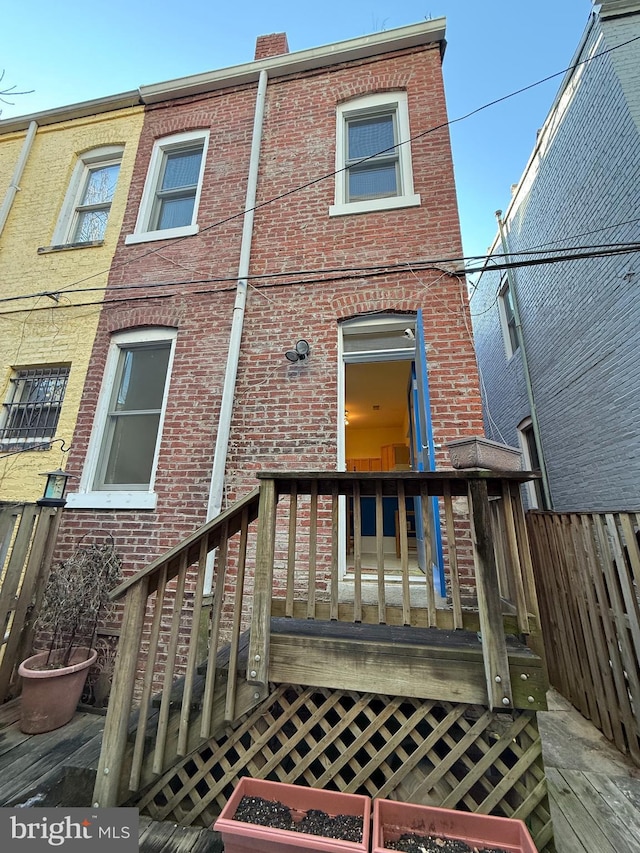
[423, 459]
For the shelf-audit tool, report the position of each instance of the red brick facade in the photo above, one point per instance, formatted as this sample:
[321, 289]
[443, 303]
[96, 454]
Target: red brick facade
[285, 415]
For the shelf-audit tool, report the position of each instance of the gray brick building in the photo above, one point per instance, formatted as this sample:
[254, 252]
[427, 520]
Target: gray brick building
[558, 344]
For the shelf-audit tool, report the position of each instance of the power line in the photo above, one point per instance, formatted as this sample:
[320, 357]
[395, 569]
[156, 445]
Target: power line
[629, 248]
[335, 172]
[322, 274]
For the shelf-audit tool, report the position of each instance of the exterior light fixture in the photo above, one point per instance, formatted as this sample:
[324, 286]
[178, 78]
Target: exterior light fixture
[300, 352]
[346, 418]
[54, 488]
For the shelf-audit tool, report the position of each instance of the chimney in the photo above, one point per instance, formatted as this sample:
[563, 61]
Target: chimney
[271, 45]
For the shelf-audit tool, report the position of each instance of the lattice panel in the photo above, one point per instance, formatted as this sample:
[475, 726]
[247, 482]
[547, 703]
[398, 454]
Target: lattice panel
[437, 753]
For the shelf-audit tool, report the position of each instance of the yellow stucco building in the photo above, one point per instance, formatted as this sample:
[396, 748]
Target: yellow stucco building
[64, 182]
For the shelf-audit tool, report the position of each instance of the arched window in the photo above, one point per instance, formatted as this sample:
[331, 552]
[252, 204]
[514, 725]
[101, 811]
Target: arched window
[85, 212]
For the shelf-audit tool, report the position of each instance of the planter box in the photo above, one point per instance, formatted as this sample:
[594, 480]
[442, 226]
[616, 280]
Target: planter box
[478, 452]
[392, 819]
[240, 837]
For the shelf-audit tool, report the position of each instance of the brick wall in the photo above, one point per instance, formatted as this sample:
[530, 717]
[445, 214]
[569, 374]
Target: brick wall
[285, 415]
[274, 44]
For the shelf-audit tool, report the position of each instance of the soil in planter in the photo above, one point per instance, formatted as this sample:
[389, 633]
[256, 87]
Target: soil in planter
[410, 843]
[314, 822]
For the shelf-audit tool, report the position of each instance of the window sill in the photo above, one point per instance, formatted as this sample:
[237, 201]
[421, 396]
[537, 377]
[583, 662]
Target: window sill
[112, 500]
[65, 247]
[374, 204]
[166, 234]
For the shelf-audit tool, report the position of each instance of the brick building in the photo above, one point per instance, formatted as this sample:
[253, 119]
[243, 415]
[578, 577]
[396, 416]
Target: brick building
[233, 341]
[566, 385]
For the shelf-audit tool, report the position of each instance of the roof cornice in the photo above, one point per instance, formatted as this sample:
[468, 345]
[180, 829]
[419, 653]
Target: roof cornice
[364, 47]
[73, 111]
[617, 8]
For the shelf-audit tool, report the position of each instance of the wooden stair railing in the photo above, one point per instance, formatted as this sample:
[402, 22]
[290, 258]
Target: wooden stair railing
[297, 574]
[157, 601]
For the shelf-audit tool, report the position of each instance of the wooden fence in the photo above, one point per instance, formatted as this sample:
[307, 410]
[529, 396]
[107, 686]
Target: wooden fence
[27, 536]
[587, 570]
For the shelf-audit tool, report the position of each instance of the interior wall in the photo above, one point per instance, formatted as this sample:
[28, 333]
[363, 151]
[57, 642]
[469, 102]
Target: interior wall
[362, 443]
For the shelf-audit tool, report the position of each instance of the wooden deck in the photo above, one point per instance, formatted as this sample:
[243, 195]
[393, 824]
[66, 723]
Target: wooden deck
[58, 769]
[595, 792]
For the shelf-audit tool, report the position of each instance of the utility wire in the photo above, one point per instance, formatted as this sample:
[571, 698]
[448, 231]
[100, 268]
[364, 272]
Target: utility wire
[630, 248]
[335, 172]
[322, 274]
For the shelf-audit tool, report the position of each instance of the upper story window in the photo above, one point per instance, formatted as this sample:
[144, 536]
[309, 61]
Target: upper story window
[508, 319]
[123, 451]
[169, 206]
[32, 408]
[373, 155]
[84, 214]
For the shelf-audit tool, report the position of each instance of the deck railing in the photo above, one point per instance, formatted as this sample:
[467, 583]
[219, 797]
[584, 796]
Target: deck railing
[281, 551]
[27, 536]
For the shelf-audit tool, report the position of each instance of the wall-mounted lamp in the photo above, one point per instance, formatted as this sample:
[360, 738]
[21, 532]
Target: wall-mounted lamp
[54, 488]
[299, 353]
[346, 418]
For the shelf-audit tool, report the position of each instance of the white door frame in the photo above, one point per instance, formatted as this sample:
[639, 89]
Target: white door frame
[401, 323]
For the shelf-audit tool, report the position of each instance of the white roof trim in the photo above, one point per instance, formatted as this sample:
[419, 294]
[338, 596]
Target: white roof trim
[427, 32]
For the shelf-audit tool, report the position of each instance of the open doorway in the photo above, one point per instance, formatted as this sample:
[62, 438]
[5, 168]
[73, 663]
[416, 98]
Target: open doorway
[378, 354]
[377, 438]
[384, 399]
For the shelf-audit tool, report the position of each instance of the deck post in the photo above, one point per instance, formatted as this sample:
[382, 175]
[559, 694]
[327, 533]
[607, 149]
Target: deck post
[494, 648]
[114, 739]
[258, 661]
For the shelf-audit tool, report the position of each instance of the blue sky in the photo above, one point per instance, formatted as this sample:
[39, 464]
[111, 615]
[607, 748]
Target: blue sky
[72, 51]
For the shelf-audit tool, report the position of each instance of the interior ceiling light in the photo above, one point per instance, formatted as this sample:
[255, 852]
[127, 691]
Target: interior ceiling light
[300, 352]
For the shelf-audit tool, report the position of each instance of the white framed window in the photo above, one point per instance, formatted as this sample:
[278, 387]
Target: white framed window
[31, 411]
[123, 450]
[373, 155]
[508, 318]
[85, 212]
[169, 206]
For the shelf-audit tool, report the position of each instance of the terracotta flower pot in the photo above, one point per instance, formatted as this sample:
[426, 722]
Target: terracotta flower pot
[50, 696]
[392, 819]
[240, 837]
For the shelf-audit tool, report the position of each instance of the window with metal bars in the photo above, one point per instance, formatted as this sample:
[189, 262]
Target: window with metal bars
[32, 410]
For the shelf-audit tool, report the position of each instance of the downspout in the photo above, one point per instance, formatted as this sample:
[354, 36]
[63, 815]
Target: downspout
[216, 489]
[511, 279]
[14, 186]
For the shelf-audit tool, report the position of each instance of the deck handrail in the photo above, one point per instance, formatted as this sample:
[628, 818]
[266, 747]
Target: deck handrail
[139, 588]
[485, 533]
[211, 530]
